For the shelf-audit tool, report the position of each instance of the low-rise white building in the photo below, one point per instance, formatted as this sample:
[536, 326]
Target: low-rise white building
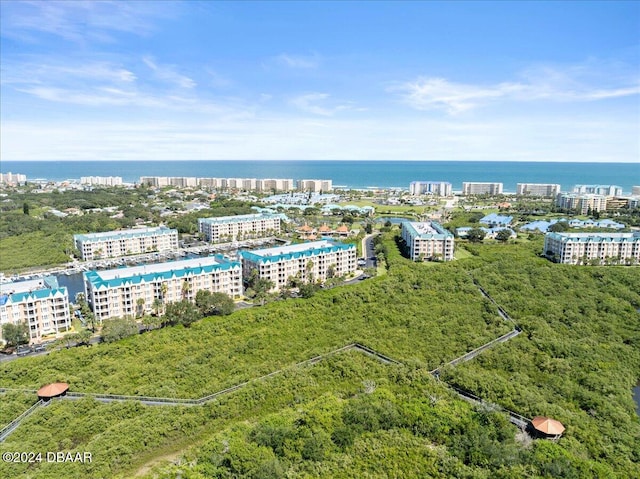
[133, 291]
[113, 244]
[101, 180]
[473, 188]
[230, 228]
[547, 190]
[427, 241]
[314, 261]
[577, 248]
[41, 303]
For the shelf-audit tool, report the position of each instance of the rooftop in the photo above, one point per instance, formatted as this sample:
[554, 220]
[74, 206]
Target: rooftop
[130, 233]
[242, 218]
[295, 250]
[427, 229]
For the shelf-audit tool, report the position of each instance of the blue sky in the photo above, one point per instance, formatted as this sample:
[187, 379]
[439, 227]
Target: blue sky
[115, 80]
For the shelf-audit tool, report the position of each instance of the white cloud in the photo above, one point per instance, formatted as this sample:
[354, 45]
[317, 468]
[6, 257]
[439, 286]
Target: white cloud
[298, 61]
[315, 103]
[541, 83]
[81, 21]
[168, 73]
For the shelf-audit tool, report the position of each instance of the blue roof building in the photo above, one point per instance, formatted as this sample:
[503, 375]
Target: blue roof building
[494, 219]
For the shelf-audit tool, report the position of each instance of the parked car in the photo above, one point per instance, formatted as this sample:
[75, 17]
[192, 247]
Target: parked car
[24, 349]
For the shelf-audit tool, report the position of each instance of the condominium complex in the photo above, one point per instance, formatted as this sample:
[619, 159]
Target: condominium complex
[427, 241]
[438, 188]
[101, 180]
[582, 203]
[12, 178]
[41, 303]
[315, 186]
[472, 188]
[112, 244]
[538, 189]
[603, 248]
[141, 289]
[635, 190]
[248, 184]
[606, 190]
[231, 228]
[315, 261]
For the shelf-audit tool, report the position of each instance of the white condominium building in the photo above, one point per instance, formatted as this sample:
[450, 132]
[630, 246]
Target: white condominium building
[582, 202]
[133, 291]
[606, 190]
[112, 244]
[538, 189]
[635, 190]
[101, 180]
[231, 228]
[315, 186]
[275, 184]
[12, 178]
[438, 188]
[473, 188]
[41, 303]
[427, 241]
[576, 248]
[314, 261]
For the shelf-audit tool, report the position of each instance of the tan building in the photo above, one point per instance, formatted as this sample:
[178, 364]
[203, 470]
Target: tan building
[12, 178]
[577, 248]
[547, 190]
[41, 303]
[427, 241]
[316, 261]
[113, 244]
[133, 291]
[270, 184]
[582, 203]
[315, 186]
[472, 188]
[231, 228]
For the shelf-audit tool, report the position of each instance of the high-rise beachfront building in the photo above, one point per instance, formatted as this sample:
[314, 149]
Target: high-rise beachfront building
[315, 186]
[427, 241]
[605, 190]
[547, 190]
[314, 261]
[113, 244]
[275, 184]
[582, 248]
[582, 203]
[101, 180]
[437, 188]
[40, 303]
[473, 188]
[231, 228]
[141, 289]
[12, 178]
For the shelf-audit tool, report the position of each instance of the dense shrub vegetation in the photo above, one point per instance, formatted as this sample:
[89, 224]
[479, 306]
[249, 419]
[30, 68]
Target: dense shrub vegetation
[350, 416]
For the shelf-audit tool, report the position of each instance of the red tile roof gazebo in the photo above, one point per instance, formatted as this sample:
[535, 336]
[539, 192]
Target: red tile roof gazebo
[52, 390]
[547, 427]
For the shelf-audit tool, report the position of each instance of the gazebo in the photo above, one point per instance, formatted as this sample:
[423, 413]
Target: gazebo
[52, 390]
[547, 427]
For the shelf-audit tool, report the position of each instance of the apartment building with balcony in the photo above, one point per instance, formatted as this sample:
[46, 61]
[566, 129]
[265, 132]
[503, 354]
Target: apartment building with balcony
[546, 190]
[315, 186]
[113, 244]
[437, 188]
[41, 303]
[605, 190]
[141, 289]
[470, 188]
[230, 228]
[581, 203]
[603, 248]
[313, 261]
[427, 241]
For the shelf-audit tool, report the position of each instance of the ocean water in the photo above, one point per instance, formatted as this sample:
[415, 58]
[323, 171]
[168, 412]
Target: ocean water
[352, 174]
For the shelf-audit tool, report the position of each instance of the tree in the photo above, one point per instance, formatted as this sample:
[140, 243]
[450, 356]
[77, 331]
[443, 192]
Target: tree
[25, 208]
[503, 235]
[140, 306]
[15, 334]
[214, 303]
[476, 235]
[558, 227]
[119, 328]
[182, 312]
